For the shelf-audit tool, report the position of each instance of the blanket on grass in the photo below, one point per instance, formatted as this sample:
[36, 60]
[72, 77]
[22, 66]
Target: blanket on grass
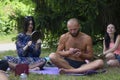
[55, 71]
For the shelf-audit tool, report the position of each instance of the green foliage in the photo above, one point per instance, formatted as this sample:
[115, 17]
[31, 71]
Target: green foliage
[51, 16]
[7, 38]
[11, 12]
[94, 16]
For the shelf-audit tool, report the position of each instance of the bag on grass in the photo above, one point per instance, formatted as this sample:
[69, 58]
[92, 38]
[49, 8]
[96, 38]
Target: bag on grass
[21, 68]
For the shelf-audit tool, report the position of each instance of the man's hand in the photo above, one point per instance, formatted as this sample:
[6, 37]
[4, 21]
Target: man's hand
[77, 54]
[73, 50]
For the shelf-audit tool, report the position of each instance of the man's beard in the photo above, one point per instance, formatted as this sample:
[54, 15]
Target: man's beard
[75, 34]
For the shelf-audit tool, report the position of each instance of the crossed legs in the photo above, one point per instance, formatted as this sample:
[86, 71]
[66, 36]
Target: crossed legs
[34, 66]
[59, 61]
[66, 68]
[111, 61]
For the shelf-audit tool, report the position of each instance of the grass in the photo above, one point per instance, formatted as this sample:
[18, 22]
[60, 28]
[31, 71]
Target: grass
[111, 74]
[7, 38]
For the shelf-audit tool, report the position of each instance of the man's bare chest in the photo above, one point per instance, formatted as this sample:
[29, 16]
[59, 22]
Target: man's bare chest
[75, 43]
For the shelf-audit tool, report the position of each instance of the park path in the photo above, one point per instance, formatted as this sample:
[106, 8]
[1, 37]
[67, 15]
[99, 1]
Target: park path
[7, 47]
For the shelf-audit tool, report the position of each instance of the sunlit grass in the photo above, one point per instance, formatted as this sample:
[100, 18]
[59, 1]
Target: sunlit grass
[7, 38]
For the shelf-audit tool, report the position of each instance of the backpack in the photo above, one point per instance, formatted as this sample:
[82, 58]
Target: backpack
[21, 68]
[4, 65]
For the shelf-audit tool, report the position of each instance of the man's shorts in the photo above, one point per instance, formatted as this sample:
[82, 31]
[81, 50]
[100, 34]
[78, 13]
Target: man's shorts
[117, 57]
[74, 63]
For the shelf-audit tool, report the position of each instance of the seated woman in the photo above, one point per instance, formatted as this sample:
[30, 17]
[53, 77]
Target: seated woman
[111, 46]
[28, 50]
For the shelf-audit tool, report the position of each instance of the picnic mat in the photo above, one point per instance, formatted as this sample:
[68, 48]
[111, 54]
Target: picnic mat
[55, 71]
[47, 70]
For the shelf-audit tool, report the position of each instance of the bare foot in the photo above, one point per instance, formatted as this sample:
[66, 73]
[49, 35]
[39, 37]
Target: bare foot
[63, 71]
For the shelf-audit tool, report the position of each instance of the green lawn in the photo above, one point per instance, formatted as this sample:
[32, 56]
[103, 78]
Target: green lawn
[111, 74]
[7, 38]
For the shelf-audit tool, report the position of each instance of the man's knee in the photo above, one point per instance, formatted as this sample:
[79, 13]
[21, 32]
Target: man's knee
[99, 63]
[53, 56]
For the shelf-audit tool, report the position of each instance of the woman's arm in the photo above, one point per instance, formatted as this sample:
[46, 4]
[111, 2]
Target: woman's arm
[37, 49]
[38, 44]
[27, 45]
[21, 45]
[104, 47]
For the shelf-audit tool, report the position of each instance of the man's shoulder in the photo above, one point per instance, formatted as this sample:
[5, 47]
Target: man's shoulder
[65, 35]
[86, 35]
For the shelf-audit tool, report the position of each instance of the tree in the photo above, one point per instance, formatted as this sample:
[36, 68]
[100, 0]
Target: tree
[94, 15]
[51, 16]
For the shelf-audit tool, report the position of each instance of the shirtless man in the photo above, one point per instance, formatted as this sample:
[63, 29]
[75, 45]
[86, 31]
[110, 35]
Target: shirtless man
[73, 49]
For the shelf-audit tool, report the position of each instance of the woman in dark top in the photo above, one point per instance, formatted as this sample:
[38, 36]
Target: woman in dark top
[25, 46]
[27, 50]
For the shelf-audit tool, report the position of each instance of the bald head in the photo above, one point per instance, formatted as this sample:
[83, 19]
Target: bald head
[73, 21]
[73, 26]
